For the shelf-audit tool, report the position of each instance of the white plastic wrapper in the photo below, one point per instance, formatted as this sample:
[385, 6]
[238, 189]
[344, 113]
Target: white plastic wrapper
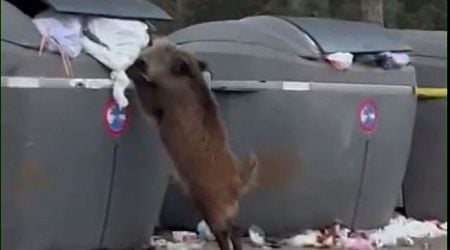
[340, 60]
[61, 30]
[122, 42]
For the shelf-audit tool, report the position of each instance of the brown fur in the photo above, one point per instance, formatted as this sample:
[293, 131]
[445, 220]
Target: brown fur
[171, 89]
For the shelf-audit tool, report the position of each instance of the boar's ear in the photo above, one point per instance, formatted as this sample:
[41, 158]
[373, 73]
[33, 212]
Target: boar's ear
[181, 67]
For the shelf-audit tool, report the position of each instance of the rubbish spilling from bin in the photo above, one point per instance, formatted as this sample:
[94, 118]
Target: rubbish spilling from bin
[60, 33]
[63, 32]
[115, 43]
[340, 60]
[124, 40]
[385, 60]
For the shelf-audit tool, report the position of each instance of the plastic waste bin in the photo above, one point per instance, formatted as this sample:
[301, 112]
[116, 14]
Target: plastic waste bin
[69, 182]
[342, 137]
[424, 189]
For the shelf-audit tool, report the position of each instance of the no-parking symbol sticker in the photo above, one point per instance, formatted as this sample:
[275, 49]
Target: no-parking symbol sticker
[368, 116]
[115, 119]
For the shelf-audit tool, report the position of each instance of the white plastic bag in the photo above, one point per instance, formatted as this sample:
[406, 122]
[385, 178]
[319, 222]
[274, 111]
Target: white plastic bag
[204, 232]
[340, 60]
[121, 82]
[122, 41]
[62, 30]
[308, 239]
[401, 230]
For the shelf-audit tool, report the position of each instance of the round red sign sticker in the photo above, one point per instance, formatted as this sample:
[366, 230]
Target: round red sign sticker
[115, 119]
[368, 116]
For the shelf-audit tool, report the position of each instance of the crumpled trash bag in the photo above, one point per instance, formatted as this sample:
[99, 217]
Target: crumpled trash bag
[385, 60]
[340, 60]
[119, 45]
[204, 232]
[158, 241]
[401, 231]
[121, 81]
[308, 239]
[179, 240]
[389, 60]
[257, 236]
[62, 30]
[329, 237]
[184, 236]
[357, 243]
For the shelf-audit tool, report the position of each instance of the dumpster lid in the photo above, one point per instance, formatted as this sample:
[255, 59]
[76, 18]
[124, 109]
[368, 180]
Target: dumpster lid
[263, 31]
[17, 27]
[333, 35]
[425, 43]
[303, 36]
[135, 9]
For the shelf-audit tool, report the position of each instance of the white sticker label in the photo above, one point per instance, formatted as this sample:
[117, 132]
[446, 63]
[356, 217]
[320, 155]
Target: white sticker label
[23, 82]
[296, 86]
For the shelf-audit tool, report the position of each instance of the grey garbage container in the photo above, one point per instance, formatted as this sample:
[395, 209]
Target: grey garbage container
[280, 99]
[424, 188]
[68, 183]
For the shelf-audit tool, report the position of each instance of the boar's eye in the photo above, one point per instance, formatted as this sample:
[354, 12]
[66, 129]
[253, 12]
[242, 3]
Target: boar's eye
[138, 71]
[202, 65]
[180, 67]
[140, 64]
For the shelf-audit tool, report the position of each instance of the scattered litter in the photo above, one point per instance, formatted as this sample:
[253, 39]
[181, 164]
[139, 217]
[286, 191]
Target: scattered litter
[204, 232]
[400, 232]
[180, 240]
[385, 60]
[402, 59]
[158, 241]
[340, 60]
[329, 237]
[60, 33]
[257, 236]
[326, 240]
[388, 60]
[183, 246]
[357, 243]
[184, 236]
[117, 45]
[308, 239]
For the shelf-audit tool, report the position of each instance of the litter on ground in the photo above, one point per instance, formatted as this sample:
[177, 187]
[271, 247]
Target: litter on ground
[401, 231]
